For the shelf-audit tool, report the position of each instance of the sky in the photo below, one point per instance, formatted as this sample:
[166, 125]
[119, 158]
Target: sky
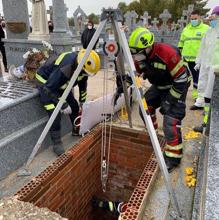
[95, 6]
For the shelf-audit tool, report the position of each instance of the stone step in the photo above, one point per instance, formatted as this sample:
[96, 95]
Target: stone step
[16, 147]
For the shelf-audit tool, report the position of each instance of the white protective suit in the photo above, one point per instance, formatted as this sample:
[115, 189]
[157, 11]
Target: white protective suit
[204, 58]
[215, 59]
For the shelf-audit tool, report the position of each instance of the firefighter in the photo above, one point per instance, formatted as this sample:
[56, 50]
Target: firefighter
[52, 79]
[164, 68]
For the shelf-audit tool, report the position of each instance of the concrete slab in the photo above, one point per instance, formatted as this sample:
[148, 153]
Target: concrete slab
[212, 185]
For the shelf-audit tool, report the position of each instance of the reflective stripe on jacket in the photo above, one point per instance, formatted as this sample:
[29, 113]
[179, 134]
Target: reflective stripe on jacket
[56, 73]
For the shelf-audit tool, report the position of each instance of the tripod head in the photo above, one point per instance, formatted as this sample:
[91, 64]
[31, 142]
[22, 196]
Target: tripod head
[110, 13]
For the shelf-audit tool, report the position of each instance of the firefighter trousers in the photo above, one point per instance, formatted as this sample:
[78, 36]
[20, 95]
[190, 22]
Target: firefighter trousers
[171, 120]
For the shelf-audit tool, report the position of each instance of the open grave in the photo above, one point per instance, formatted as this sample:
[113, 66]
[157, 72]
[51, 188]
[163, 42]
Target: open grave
[68, 185]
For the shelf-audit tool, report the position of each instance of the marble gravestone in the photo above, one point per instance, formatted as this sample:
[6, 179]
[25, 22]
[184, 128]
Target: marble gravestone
[79, 20]
[18, 43]
[40, 30]
[60, 32]
[16, 17]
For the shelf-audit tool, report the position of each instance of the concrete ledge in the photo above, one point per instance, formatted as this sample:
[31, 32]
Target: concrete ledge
[212, 186]
[16, 148]
[20, 115]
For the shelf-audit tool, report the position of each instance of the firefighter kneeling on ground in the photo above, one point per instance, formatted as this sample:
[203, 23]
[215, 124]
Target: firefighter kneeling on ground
[52, 78]
[164, 68]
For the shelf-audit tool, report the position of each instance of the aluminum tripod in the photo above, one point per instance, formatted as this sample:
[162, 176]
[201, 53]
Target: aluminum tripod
[115, 17]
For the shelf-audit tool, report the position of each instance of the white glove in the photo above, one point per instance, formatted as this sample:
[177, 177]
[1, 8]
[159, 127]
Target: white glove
[197, 66]
[67, 110]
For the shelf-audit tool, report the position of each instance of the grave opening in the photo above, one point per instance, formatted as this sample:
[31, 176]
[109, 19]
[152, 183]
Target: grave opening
[68, 185]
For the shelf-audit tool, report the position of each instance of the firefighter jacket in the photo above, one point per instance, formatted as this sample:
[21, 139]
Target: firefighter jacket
[57, 71]
[165, 69]
[190, 40]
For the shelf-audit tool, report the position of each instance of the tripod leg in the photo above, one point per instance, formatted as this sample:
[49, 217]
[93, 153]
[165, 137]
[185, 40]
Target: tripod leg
[146, 116]
[121, 72]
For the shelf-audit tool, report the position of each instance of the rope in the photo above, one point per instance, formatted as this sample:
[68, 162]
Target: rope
[105, 149]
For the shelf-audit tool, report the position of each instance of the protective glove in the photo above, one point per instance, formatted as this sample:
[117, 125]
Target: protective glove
[66, 109]
[197, 66]
[119, 89]
[116, 96]
[165, 107]
[167, 103]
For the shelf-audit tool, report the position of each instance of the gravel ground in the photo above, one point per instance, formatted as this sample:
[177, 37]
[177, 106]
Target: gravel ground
[13, 209]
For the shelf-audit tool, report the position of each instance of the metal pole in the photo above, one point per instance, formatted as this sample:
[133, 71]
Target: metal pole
[121, 72]
[147, 119]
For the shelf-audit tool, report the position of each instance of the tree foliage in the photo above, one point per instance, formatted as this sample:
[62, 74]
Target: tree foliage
[123, 7]
[154, 8]
[71, 21]
[94, 18]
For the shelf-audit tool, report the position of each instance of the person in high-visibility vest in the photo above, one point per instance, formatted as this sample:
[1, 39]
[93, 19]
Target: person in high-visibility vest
[189, 44]
[52, 78]
[204, 62]
[165, 69]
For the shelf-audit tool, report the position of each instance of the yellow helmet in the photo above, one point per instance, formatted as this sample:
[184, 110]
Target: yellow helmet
[92, 64]
[141, 38]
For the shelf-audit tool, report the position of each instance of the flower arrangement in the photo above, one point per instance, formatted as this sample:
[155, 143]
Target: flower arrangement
[35, 58]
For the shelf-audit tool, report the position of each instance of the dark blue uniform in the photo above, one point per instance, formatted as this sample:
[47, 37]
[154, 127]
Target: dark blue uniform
[52, 79]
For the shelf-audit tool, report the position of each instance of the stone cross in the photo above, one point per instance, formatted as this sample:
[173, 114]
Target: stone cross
[185, 13]
[165, 16]
[128, 19]
[50, 12]
[189, 11]
[79, 19]
[134, 16]
[67, 23]
[155, 22]
[40, 30]
[145, 18]
[181, 22]
[59, 20]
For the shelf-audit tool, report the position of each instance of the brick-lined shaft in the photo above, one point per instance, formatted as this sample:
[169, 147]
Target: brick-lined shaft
[69, 183]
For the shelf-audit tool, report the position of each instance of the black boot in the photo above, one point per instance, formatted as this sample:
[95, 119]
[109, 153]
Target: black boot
[199, 129]
[171, 162]
[57, 143]
[194, 107]
[75, 131]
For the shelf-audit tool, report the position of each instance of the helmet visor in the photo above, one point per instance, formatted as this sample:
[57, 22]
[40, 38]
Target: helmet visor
[136, 50]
